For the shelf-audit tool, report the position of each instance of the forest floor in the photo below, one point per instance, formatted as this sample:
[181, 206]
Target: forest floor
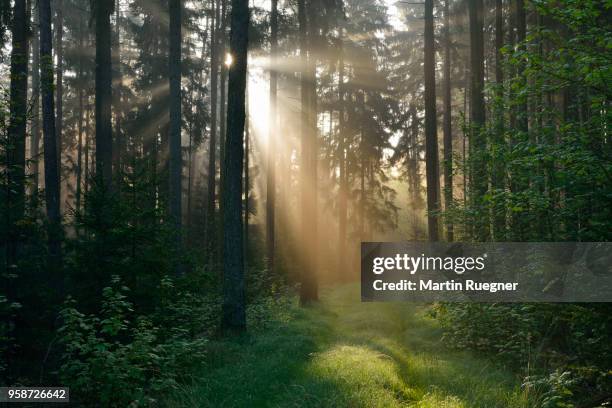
[344, 353]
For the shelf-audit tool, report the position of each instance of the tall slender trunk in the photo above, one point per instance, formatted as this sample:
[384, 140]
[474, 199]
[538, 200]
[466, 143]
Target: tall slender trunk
[234, 316]
[15, 166]
[343, 185]
[308, 168]
[222, 113]
[519, 116]
[52, 178]
[477, 118]
[119, 142]
[104, 138]
[59, 88]
[448, 135]
[35, 138]
[212, 150]
[247, 185]
[80, 82]
[176, 162]
[271, 168]
[431, 127]
[497, 178]
[86, 152]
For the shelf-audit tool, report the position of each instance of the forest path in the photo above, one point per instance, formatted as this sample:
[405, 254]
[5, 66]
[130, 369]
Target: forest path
[344, 353]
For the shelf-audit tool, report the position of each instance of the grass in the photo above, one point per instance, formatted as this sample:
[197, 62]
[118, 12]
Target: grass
[344, 353]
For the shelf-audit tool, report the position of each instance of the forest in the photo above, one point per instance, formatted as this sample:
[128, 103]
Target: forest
[184, 187]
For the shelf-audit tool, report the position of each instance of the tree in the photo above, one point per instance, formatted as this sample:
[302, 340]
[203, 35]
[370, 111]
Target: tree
[104, 139]
[497, 176]
[212, 147]
[478, 117]
[272, 134]
[17, 126]
[308, 167]
[35, 137]
[59, 69]
[52, 176]
[342, 162]
[448, 126]
[431, 126]
[176, 164]
[234, 317]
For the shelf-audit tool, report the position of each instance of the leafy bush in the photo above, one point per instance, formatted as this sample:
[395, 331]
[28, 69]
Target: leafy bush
[118, 359]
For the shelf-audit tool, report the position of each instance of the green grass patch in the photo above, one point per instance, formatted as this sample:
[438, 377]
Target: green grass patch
[344, 353]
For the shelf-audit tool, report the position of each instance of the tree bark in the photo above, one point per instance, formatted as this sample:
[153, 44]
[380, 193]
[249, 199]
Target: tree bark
[59, 88]
[308, 289]
[176, 162]
[35, 138]
[212, 150]
[52, 178]
[104, 138]
[234, 317]
[271, 167]
[431, 127]
[497, 178]
[15, 166]
[80, 82]
[448, 135]
[343, 187]
[478, 117]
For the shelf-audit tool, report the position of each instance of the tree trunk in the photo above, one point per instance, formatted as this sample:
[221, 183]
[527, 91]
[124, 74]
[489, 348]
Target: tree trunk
[308, 289]
[271, 170]
[104, 139]
[120, 142]
[176, 165]
[35, 138]
[80, 82]
[448, 136]
[497, 178]
[52, 177]
[343, 187]
[234, 318]
[212, 150]
[15, 166]
[59, 89]
[431, 127]
[477, 118]
[247, 185]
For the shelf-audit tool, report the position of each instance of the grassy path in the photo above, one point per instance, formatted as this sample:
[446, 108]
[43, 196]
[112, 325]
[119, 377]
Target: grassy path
[343, 353]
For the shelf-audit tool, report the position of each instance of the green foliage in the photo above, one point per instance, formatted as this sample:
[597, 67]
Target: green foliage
[119, 359]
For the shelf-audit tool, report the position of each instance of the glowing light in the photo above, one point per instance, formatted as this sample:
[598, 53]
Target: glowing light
[229, 60]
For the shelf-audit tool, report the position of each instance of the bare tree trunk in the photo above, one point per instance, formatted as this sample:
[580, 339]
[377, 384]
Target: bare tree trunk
[52, 177]
[212, 150]
[308, 168]
[271, 168]
[234, 316]
[120, 142]
[247, 185]
[478, 117]
[176, 162]
[343, 187]
[59, 88]
[431, 127]
[497, 178]
[86, 152]
[448, 129]
[80, 81]
[35, 138]
[15, 166]
[104, 137]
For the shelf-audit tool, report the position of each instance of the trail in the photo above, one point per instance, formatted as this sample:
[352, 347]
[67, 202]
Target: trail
[344, 353]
